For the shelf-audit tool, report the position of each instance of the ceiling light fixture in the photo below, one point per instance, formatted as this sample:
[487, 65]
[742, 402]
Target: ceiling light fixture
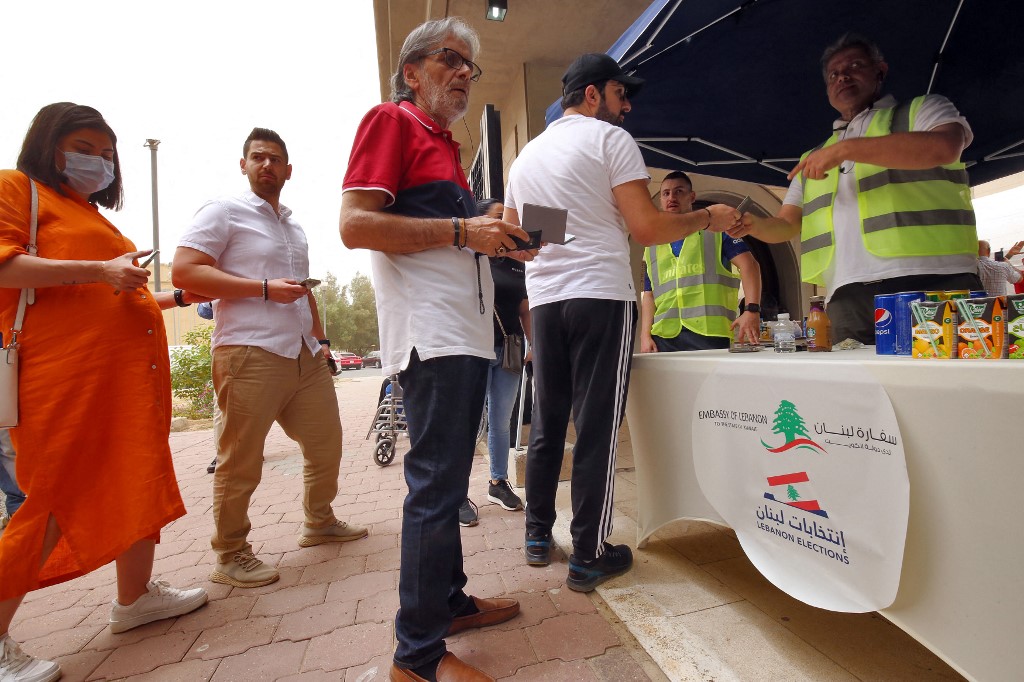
[496, 10]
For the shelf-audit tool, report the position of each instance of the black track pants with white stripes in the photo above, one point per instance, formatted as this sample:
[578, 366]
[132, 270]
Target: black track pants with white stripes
[582, 353]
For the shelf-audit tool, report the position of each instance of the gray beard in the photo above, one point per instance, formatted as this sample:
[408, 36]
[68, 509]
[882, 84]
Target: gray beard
[442, 103]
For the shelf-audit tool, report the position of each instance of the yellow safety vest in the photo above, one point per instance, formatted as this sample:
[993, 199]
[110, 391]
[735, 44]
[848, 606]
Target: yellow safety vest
[903, 213]
[688, 293]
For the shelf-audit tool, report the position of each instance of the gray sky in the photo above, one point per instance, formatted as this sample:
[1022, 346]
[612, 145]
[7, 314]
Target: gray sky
[199, 76]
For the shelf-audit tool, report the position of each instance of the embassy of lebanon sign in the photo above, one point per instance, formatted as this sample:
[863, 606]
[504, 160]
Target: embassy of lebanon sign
[809, 471]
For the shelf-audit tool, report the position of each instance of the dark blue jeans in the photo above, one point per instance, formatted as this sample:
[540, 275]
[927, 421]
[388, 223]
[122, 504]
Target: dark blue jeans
[444, 399]
[8, 482]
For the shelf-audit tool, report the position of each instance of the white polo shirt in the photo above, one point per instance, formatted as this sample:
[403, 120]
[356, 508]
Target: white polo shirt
[248, 239]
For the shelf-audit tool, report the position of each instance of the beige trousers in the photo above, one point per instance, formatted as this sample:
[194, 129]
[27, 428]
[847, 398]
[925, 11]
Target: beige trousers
[254, 389]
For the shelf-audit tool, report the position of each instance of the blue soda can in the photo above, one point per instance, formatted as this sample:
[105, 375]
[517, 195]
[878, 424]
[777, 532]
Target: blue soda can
[905, 321]
[979, 294]
[885, 324]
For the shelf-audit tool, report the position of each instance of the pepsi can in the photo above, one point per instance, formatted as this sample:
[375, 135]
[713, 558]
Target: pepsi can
[905, 321]
[885, 324]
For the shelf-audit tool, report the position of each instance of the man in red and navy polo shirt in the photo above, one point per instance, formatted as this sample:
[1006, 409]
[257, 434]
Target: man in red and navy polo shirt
[406, 198]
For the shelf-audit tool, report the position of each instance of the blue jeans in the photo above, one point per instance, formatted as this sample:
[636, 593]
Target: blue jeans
[502, 389]
[8, 480]
[443, 400]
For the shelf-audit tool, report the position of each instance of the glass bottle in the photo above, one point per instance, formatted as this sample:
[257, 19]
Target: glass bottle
[819, 329]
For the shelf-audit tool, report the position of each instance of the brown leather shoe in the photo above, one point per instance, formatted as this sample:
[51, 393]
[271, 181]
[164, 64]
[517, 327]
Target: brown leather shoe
[491, 612]
[450, 669]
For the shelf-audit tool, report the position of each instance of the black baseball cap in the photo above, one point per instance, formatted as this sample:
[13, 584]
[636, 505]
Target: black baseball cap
[596, 66]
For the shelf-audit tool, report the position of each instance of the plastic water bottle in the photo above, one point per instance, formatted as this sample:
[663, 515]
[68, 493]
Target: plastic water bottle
[784, 334]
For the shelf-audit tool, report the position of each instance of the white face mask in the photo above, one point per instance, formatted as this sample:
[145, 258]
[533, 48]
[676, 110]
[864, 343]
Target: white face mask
[87, 173]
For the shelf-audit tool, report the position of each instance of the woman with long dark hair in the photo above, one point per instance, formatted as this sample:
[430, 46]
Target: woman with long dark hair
[92, 444]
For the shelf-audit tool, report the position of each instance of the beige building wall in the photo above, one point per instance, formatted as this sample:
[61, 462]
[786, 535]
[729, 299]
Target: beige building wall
[177, 321]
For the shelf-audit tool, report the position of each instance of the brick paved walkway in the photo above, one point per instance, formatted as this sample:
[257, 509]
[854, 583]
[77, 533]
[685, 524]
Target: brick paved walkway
[330, 617]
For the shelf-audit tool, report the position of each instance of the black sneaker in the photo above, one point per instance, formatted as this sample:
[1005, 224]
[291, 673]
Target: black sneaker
[585, 575]
[468, 514]
[213, 466]
[538, 549]
[501, 493]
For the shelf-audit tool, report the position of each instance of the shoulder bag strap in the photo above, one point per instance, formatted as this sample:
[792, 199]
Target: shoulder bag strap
[28, 296]
[500, 325]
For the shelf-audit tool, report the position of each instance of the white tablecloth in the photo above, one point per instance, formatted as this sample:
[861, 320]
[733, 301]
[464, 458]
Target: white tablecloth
[961, 592]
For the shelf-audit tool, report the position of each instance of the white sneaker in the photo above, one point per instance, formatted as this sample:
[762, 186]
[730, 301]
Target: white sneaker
[162, 601]
[17, 666]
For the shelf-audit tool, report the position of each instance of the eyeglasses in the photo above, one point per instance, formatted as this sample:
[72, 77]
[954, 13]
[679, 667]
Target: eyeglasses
[455, 61]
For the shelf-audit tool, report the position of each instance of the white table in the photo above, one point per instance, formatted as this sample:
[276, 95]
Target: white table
[961, 591]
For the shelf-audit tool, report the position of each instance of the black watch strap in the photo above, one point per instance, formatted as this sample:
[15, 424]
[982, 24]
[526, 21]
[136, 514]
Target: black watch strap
[752, 308]
[179, 299]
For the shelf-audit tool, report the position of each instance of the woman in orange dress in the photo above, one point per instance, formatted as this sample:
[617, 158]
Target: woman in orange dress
[92, 440]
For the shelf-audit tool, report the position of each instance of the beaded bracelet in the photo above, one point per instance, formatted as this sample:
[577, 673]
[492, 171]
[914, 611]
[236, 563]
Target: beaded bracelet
[266, 291]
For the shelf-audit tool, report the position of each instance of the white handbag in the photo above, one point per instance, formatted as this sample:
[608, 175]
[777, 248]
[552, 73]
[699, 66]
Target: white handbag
[9, 353]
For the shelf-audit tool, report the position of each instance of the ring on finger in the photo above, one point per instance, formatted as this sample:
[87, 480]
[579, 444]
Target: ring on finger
[501, 249]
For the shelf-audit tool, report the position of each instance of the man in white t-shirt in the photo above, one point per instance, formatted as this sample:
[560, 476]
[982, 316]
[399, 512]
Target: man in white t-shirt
[882, 206]
[249, 254]
[583, 304]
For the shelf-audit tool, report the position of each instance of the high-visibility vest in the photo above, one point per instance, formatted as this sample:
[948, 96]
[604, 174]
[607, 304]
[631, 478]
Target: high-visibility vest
[903, 213]
[688, 292]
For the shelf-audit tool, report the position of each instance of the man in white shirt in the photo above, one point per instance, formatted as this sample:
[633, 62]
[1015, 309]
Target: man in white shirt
[583, 305]
[882, 206]
[996, 274]
[268, 357]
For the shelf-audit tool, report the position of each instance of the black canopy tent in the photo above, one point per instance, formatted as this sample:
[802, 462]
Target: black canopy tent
[734, 88]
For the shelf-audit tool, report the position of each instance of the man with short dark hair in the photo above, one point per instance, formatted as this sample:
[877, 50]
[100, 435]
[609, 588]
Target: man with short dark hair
[883, 205]
[690, 293]
[406, 199]
[583, 305]
[249, 254]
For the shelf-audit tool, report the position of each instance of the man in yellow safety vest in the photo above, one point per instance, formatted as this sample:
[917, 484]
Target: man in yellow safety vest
[689, 300]
[883, 205]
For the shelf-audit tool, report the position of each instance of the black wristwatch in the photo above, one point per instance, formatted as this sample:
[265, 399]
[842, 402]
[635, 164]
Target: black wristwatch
[324, 342]
[752, 308]
[179, 299]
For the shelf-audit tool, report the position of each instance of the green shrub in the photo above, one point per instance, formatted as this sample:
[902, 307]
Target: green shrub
[191, 377]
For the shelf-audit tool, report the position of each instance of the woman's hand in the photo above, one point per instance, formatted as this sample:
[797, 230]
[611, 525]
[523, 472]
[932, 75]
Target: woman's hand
[122, 273]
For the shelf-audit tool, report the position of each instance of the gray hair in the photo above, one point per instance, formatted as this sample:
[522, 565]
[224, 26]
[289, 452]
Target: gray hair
[848, 40]
[424, 38]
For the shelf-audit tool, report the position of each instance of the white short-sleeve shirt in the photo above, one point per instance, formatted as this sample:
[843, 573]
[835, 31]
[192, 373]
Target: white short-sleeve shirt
[574, 164]
[248, 239]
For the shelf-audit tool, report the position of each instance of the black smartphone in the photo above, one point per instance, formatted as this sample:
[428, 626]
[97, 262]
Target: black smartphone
[309, 283]
[526, 245]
